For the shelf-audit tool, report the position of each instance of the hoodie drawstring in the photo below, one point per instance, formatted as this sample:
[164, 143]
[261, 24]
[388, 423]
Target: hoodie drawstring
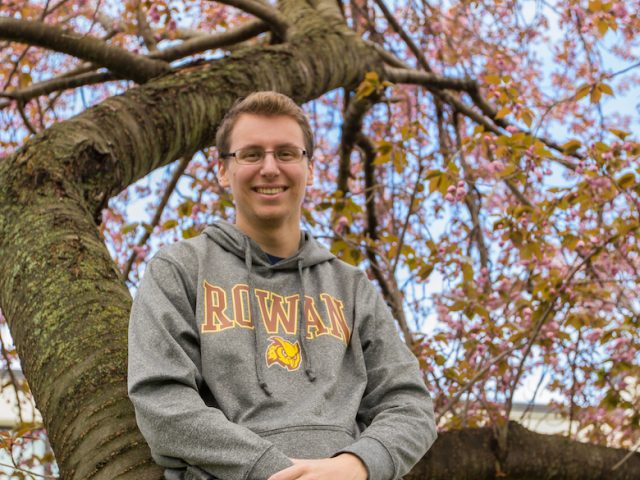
[302, 329]
[302, 326]
[258, 358]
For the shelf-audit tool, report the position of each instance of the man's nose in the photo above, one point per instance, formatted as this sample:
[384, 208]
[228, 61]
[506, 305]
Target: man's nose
[270, 165]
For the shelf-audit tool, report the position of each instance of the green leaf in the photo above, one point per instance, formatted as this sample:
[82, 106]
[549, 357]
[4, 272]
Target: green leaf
[627, 180]
[571, 147]
[621, 134]
[129, 227]
[583, 91]
[503, 112]
[190, 233]
[169, 224]
[184, 209]
[606, 89]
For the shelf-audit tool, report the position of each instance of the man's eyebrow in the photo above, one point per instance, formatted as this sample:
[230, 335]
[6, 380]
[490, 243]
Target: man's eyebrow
[279, 145]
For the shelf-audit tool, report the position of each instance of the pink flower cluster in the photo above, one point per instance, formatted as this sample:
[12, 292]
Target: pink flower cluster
[456, 193]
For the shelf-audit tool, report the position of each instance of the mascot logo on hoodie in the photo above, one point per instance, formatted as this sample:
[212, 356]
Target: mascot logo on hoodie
[283, 353]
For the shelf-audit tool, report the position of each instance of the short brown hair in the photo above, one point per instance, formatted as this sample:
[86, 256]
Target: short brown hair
[267, 103]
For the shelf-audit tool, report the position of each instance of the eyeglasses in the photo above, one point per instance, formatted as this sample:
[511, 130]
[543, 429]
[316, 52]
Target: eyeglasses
[256, 155]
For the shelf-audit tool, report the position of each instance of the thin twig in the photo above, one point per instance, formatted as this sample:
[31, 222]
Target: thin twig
[405, 226]
[27, 471]
[184, 162]
[417, 52]
[25, 119]
[473, 381]
[626, 457]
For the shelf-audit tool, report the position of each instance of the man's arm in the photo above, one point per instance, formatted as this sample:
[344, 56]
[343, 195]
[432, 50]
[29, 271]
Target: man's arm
[396, 407]
[164, 381]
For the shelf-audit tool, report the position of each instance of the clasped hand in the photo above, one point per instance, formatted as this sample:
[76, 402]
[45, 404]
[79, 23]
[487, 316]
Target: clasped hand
[345, 466]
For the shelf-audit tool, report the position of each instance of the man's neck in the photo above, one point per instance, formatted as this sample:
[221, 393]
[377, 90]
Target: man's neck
[282, 241]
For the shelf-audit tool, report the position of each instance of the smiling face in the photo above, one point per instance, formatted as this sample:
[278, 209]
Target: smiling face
[268, 196]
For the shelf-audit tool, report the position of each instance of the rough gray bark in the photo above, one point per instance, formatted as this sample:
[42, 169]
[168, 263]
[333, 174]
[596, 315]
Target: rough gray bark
[60, 291]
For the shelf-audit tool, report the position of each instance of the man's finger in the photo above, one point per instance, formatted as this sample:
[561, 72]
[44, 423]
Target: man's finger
[289, 473]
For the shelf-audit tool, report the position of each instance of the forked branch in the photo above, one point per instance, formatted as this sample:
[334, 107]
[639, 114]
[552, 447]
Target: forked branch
[117, 60]
[276, 20]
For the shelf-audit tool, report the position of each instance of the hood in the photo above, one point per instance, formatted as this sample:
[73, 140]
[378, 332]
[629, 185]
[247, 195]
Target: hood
[230, 238]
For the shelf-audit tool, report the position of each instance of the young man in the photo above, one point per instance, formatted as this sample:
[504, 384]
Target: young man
[253, 352]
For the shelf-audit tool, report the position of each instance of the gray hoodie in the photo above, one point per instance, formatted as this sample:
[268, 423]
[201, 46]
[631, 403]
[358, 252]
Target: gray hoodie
[231, 374]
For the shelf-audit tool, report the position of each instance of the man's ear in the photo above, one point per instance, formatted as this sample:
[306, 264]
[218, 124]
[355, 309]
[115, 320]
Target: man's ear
[223, 175]
[310, 173]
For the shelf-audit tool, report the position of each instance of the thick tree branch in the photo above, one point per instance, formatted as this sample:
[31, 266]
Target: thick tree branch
[388, 57]
[119, 61]
[276, 20]
[468, 111]
[56, 84]
[469, 454]
[85, 76]
[352, 134]
[428, 80]
[209, 42]
[388, 286]
[351, 128]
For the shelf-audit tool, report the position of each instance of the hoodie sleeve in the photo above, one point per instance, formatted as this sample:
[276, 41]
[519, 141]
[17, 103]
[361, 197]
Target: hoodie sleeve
[396, 407]
[167, 389]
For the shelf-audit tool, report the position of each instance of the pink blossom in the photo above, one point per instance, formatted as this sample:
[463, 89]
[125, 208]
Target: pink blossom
[619, 10]
[495, 167]
[141, 252]
[154, 14]
[341, 223]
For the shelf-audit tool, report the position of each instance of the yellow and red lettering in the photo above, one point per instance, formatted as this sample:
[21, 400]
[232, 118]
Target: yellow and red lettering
[315, 325]
[274, 314]
[339, 327]
[240, 294]
[215, 303]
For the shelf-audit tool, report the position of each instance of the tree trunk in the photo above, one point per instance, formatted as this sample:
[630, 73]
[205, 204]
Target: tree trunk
[59, 289]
